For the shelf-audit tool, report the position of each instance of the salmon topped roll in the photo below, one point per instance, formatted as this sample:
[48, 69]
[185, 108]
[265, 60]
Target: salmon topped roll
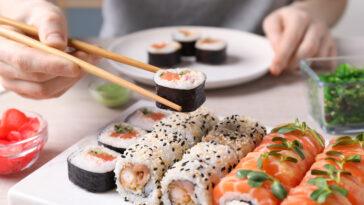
[191, 180]
[336, 178]
[278, 164]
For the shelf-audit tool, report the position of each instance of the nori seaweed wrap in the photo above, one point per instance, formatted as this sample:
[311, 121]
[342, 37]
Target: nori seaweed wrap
[183, 86]
[211, 51]
[164, 54]
[92, 168]
[187, 38]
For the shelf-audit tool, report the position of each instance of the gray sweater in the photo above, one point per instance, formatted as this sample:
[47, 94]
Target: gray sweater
[126, 16]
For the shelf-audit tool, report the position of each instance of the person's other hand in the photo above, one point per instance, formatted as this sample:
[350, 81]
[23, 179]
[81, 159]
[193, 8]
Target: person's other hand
[295, 35]
[30, 72]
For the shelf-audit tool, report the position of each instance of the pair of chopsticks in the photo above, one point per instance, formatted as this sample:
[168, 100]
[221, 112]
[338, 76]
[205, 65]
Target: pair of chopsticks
[88, 48]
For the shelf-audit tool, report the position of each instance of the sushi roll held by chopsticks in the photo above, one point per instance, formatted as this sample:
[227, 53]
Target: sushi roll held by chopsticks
[92, 168]
[164, 54]
[183, 86]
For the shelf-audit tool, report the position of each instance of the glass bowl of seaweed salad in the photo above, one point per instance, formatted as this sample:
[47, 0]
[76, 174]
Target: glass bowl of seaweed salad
[336, 92]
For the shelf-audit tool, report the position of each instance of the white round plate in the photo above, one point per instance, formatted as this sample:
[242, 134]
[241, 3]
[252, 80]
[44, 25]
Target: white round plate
[249, 55]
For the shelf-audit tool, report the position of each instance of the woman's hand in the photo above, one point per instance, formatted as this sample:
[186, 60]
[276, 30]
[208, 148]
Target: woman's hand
[30, 72]
[294, 35]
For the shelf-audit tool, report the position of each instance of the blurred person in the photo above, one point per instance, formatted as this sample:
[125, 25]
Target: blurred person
[295, 29]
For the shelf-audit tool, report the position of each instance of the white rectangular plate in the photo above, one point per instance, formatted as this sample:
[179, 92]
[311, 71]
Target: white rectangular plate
[49, 185]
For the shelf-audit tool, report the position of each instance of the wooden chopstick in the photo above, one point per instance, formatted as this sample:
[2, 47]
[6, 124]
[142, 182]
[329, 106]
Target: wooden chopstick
[94, 70]
[83, 46]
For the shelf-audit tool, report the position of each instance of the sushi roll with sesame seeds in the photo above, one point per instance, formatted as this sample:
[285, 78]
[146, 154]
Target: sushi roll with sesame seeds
[241, 133]
[193, 126]
[182, 86]
[164, 54]
[118, 136]
[187, 38]
[92, 168]
[139, 170]
[190, 181]
[147, 117]
[211, 50]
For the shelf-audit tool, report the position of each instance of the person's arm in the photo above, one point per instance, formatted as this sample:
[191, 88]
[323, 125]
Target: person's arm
[31, 72]
[301, 30]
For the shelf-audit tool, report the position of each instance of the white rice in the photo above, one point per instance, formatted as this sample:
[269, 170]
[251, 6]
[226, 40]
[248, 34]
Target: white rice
[181, 35]
[106, 138]
[83, 160]
[169, 47]
[138, 119]
[233, 198]
[187, 81]
[218, 44]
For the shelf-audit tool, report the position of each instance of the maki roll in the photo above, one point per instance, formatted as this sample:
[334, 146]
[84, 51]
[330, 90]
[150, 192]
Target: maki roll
[139, 170]
[146, 117]
[241, 133]
[182, 86]
[119, 136]
[193, 126]
[164, 54]
[191, 180]
[92, 168]
[211, 50]
[187, 38]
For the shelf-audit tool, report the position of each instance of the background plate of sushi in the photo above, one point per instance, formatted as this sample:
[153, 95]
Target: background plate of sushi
[236, 56]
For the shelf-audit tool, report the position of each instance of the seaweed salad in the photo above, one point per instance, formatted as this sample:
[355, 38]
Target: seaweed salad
[344, 95]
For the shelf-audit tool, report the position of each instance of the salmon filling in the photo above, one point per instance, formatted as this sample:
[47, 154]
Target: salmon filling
[134, 177]
[181, 192]
[155, 116]
[101, 155]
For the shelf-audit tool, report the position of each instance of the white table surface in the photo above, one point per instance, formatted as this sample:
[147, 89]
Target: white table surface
[271, 100]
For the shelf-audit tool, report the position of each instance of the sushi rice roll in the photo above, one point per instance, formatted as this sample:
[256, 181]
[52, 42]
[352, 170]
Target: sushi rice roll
[164, 54]
[241, 133]
[155, 152]
[91, 168]
[139, 170]
[118, 136]
[211, 50]
[147, 117]
[190, 181]
[193, 126]
[182, 86]
[187, 38]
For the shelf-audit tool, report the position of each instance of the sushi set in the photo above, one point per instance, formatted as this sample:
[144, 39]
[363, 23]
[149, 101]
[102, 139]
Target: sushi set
[153, 156]
[227, 57]
[187, 43]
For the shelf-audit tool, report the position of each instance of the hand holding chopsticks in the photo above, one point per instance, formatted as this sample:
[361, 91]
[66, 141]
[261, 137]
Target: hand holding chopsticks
[83, 46]
[15, 36]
